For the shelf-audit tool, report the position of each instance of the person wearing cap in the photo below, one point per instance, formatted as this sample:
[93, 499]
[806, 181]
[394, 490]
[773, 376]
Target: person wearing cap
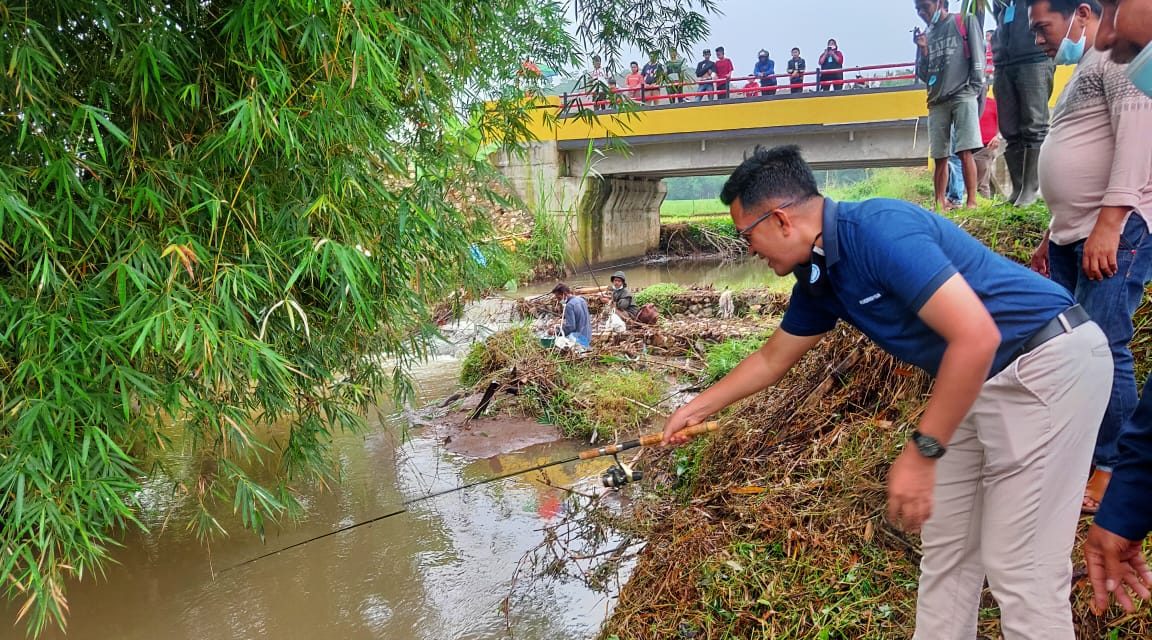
[724, 70]
[622, 297]
[705, 73]
[1113, 549]
[992, 475]
[765, 72]
[576, 324]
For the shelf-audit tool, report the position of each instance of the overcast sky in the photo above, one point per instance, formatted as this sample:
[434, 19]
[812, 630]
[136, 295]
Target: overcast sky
[869, 31]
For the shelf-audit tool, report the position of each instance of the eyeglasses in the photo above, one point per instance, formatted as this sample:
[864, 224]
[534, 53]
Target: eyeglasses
[746, 232]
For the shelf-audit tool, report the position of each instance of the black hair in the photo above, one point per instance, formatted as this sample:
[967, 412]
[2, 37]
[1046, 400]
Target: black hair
[795, 48]
[1067, 7]
[779, 172]
[562, 289]
[633, 63]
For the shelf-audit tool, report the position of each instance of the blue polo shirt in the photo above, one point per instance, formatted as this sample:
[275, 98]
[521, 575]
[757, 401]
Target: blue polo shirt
[886, 258]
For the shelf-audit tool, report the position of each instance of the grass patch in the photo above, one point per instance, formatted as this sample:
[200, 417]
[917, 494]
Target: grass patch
[689, 208]
[723, 357]
[498, 353]
[661, 295]
[913, 185]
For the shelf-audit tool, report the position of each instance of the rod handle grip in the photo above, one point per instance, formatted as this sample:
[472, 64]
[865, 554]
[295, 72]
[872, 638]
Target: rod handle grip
[654, 439]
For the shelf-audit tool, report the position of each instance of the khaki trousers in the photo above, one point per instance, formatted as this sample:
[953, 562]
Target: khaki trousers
[1008, 493]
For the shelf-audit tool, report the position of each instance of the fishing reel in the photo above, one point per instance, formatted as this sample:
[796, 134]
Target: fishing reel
[619, 475]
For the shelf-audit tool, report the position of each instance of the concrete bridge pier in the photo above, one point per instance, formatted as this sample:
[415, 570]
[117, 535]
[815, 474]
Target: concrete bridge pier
[605, 219]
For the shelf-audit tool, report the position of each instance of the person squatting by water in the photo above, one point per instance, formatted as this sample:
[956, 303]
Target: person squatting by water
[993, 474]
[576, 325]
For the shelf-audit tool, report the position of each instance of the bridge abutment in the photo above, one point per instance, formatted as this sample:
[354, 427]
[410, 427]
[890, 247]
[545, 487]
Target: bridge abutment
[605, 219]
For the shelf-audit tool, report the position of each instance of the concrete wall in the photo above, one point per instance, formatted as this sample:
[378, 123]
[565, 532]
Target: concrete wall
[606, 219]
[891, 144]
[620, 218]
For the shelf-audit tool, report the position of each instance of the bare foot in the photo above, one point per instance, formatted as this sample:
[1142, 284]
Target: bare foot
[971, 205]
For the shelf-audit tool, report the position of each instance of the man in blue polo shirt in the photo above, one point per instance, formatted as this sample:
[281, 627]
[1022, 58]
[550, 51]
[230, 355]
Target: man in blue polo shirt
[992, 476]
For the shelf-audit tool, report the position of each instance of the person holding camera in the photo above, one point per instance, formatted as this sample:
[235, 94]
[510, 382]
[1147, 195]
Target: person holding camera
[831, 63]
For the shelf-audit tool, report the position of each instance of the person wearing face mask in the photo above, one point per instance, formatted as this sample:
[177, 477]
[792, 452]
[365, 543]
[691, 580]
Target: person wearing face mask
[993, 473]
[1113, 548]
[1096, 176]
[1126, 32]
[1023, 87]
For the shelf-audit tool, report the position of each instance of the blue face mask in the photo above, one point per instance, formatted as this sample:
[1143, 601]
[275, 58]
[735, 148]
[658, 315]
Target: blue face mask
[1140, 70]
[936, 16]
[1070, 52]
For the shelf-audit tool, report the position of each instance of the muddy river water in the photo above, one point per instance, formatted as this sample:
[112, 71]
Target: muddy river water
[441, 571]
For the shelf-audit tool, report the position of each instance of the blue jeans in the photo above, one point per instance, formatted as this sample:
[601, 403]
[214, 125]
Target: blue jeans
[956, 190]
[1111, 303]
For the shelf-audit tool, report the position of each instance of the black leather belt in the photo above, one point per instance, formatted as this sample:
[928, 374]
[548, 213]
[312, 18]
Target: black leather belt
[1064, 322]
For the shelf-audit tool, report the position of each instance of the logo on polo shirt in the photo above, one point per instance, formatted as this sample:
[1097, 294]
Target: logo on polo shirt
[872, 298]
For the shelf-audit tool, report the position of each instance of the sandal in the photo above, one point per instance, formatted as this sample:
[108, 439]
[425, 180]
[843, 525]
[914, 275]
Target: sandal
[1094, 492]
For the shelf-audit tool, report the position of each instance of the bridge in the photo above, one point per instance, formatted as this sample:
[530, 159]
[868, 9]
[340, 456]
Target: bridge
[601, 171]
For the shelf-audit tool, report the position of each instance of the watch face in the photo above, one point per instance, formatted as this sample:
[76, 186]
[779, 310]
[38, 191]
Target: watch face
[928, 446]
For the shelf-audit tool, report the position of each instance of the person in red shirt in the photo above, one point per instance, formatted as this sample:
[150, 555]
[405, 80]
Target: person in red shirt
[831, 67]
[986, 157]
[723, 71]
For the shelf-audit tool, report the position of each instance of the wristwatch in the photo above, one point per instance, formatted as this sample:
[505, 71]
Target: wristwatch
[928, 446]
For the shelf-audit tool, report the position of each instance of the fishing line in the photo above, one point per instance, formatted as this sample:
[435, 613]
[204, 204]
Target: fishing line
[608, 450]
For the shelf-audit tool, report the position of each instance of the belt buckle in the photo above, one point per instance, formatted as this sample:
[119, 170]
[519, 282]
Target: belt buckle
[1064, 322]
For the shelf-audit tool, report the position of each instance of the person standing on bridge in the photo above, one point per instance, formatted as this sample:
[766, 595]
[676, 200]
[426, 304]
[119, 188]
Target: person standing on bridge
[653, 71]
[705, 73]
[1098, 244]
[993, 474]
[765, 72]
[724, 70]
[796, 71]
[1023, 87]
[952, 65]
[831, 63]
[634, 81]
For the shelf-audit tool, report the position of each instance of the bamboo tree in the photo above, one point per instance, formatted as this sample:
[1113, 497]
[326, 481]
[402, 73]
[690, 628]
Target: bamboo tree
[218, 220]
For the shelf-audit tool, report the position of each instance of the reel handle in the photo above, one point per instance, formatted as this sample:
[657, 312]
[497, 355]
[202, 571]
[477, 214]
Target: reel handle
[649, 440]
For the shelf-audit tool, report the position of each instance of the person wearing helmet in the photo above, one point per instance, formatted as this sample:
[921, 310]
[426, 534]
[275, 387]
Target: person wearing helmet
[622, 297]
[765, 72]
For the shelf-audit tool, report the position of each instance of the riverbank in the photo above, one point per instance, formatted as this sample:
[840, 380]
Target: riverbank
[773, 528]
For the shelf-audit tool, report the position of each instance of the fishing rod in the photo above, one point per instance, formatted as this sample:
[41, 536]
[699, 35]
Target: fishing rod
[616, 476]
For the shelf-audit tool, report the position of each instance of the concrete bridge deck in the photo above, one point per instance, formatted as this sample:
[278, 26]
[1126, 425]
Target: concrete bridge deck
[605, 171]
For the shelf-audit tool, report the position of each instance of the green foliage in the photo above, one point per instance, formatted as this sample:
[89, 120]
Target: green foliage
[724, 356]
[660, 294]
[693, 208]
[216, 215]
[695, 187]
[499, 353]
[913, 185]
[609, 401]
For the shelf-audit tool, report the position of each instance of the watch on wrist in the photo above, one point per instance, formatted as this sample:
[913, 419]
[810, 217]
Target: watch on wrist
[928, 446]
